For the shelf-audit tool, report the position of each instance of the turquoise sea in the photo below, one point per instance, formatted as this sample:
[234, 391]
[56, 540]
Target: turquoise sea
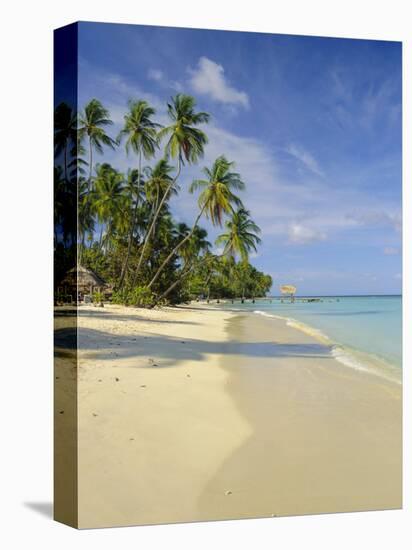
[364, 332]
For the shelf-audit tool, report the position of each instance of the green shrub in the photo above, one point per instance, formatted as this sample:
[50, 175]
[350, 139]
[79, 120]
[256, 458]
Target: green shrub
[140, 296]
[97, 297]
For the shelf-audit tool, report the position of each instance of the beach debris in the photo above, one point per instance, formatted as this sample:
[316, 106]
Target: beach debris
[227, 493]
[99, 380]
[152, 362]
[57, 377]
[61, 412]
[182, 342]
[143, 385]
[117, 379]
[95, 414]
[188, 376]
[131, 439]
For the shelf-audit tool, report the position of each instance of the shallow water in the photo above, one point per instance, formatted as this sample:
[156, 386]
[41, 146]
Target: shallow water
[366, 330]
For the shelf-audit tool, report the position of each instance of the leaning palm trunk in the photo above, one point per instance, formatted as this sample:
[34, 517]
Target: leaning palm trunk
[176, 249]
[208, 287]
[148, 233]
[132, 228]
[172, 286]
[184, 274]
[154, 212]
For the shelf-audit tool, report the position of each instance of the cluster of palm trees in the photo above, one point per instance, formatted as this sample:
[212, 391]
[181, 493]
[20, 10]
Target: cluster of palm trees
[125, 227]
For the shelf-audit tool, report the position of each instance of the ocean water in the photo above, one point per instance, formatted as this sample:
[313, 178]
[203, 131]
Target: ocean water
[364, 332]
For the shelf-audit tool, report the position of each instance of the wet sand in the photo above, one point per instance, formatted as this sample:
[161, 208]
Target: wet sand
[325, 438]
[194, 414]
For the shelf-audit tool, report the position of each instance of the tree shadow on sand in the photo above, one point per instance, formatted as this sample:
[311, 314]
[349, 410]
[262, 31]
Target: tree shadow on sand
[99, 314]
[104, 346]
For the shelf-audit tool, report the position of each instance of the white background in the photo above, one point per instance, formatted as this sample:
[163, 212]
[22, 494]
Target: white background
[26, 270]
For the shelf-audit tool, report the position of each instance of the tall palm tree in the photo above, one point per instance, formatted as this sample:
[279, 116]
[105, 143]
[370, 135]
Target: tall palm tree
[241, 236]
[132, 188]
[85, 213]
[216, 198]
[134, 193]
[190, 254]
[140, 133]
[218, 270]
[65, 132]
[59, 202]
[240, 239]
[185, 142]
[109, 201]
[92, 123]
[157, 183]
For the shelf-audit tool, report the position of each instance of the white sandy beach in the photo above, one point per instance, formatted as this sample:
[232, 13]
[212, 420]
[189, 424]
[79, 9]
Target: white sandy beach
[183, 415]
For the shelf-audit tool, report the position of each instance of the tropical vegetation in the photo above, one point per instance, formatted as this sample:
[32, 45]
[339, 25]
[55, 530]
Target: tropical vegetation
[125, 228]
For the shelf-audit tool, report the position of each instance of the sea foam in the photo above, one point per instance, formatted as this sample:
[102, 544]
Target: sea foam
[344, 355]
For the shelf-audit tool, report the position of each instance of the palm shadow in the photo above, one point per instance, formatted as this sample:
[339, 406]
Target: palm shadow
[99, 314]
[169, 351]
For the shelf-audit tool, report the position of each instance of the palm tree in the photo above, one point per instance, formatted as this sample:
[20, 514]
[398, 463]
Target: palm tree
[185, 142]
[92, 123]
[193, 246]
[85, 213]
[157, 183]
[216, 198]
[133, 191]
[140, 133]
[216, 268]
[190, 253]
[109, 201]
[241, 237]
[59, 203]
[65, 132]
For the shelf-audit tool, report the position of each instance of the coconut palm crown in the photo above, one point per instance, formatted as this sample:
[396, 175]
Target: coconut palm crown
[185, 140]
[217, 195]
[241, 237]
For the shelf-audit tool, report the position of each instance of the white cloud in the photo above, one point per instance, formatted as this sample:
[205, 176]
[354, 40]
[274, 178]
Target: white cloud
[305, 158]
[209, 79]
[155, 74]
[301, 234]
[288, 209]
[378, 218]
[159, 77]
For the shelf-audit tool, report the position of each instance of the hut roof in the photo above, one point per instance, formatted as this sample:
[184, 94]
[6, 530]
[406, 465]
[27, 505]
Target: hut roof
[82, 276]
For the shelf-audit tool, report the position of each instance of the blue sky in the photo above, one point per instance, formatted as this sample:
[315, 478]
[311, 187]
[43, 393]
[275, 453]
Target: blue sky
[313, 125]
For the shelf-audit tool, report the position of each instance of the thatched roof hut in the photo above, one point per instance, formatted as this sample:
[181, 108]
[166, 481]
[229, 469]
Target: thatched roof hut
[82, 280]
